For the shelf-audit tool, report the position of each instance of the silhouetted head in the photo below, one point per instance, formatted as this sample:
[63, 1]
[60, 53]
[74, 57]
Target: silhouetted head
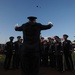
[18, 37]
[11, 38]
[32, 18]
[56, 38]
[42, 37]
[65, 36]
[49, 38]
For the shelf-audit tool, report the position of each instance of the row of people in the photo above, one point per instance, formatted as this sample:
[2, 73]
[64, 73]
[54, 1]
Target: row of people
[54, 53]
[12, 53]
[51, 53]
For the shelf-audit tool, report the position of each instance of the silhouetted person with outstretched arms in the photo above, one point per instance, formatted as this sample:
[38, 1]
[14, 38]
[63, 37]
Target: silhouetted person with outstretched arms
[31, 45]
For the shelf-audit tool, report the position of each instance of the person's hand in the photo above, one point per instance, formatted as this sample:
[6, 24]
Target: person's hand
[50, 23]
[16, 26]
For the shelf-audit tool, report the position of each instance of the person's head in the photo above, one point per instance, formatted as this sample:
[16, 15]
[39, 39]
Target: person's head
[45, 41]
[32, 19]
[65, 36]
[49, 38]
[56, 38]
[18, 38]
[11, 38]
[52, 40]
[42, 39]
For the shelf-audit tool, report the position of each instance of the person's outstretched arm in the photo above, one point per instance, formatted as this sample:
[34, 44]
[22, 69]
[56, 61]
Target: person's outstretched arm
[44, 27]
[18, 28]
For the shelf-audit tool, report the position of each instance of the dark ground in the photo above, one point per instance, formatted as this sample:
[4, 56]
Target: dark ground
[43, 71]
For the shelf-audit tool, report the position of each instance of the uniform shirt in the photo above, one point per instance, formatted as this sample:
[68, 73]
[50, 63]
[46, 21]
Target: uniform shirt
[67, 46]
[9, 47]
[17, 47]
[31, 33]
[58, 48]
[51, 47]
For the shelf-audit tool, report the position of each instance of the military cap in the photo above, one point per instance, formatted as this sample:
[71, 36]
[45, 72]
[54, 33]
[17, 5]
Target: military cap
[52, 39]
[49, 37]
[56, 37]
[18, 37]
[66, 35]
[42, 37]
[11, 37]
[32, 18]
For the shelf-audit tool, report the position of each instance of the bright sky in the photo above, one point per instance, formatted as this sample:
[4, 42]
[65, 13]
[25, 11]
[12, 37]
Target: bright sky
[60, 12]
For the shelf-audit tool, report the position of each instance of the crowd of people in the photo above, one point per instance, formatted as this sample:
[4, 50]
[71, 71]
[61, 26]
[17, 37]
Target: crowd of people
[57, 54]
[12, 51]
[53, 53]
[35, 50]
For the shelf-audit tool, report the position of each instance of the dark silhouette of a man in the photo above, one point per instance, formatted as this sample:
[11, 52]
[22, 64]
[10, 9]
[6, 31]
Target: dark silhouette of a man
[31, 45]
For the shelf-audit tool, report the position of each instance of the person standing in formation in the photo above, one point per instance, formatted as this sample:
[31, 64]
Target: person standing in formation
[67, 48]
[9, 52]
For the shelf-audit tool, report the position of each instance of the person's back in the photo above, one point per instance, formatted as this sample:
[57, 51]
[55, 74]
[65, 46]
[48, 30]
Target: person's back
[31, 46]
[31, 33]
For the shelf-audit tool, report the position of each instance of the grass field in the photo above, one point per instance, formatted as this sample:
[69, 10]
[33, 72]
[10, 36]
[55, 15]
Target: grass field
[2, 57]
[73, 56]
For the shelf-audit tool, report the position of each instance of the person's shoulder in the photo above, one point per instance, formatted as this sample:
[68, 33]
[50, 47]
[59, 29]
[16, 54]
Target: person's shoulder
[24, 23]
[15, 42]
[38, 23]
[8, 42]
[69, 40]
